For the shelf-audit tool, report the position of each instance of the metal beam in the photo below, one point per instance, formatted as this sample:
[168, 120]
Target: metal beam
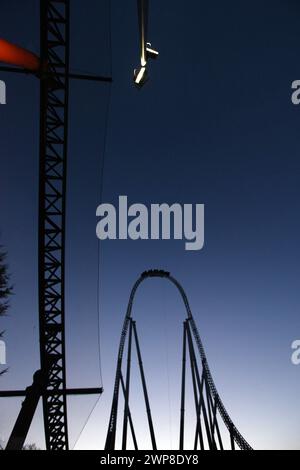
[68, 391]
[5, 68]
[147, 403]
[143, 7]
[182, 408]
[200, 383]
[29, 405]
[70, 75]
[92, 78]
[126, 406]
[54, 92]
[130, 418]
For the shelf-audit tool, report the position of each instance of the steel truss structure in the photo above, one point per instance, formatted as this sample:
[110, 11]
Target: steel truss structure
[50, 382]
[209, 409]
[54, 93]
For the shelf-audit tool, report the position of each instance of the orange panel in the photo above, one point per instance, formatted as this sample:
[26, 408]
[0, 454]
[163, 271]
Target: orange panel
[15, 55]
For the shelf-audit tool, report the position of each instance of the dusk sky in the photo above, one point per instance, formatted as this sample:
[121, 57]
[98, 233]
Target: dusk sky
[214, 125]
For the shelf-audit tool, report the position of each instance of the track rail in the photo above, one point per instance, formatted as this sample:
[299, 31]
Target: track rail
[111, 435]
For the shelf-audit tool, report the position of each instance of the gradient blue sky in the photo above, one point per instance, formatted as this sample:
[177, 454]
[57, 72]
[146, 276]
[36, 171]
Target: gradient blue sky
[215, 125]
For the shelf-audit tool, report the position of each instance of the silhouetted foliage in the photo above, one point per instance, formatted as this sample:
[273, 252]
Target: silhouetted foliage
[5, 289]
[30, 447]
[26, 447]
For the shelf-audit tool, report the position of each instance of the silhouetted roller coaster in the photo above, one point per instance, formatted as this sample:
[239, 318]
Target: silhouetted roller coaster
[51, 70]
[209, 408]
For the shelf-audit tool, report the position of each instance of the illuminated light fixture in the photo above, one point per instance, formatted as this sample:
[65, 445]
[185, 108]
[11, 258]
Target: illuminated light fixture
[146, 50]
[140, 76]
[151, 53]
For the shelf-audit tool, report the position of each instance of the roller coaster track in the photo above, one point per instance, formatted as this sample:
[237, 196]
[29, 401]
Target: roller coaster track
[235, 435]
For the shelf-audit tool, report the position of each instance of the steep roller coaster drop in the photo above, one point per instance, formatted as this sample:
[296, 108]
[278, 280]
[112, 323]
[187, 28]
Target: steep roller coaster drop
[53, 71]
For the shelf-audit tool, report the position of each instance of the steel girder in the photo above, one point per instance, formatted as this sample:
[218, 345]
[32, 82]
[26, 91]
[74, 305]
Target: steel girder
[54, 88]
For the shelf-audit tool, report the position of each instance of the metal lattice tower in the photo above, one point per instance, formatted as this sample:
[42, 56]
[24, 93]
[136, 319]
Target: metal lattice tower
[209, 409]
[52, 70]
[54, 89]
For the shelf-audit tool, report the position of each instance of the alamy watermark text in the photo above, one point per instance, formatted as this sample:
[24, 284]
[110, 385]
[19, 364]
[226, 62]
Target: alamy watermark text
[160, 221]
[2, 353]
[295, 358]
[2, 92]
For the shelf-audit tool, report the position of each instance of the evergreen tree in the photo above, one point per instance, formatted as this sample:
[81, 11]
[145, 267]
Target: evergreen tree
[5, 289]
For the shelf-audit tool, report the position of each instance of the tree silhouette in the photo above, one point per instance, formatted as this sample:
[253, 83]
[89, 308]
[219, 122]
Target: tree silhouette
[26, 447]
[30, 447]
[5, 289]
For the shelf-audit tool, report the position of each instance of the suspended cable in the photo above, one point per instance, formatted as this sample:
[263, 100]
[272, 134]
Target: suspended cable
[86, 421]
[101, 179]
